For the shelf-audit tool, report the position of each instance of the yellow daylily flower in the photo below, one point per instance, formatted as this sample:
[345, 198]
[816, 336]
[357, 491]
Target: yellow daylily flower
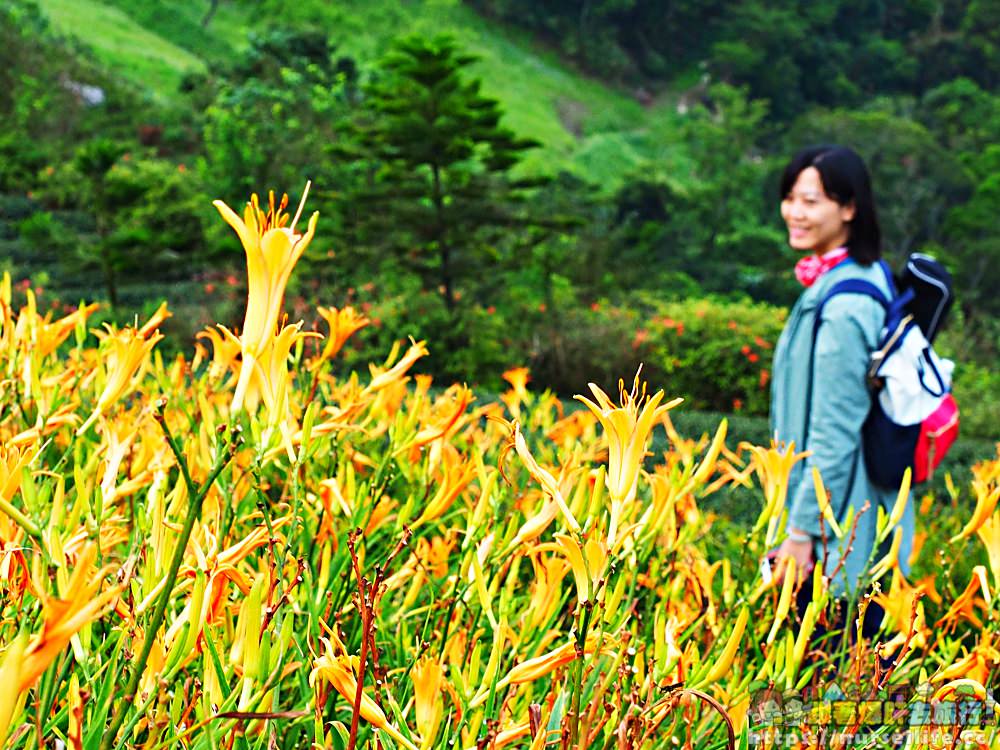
[989, 533]
[339, 671]
[627, 428]
[12, 462]
[389, 374]
[773, 466]
[11, 695]
[272, 250]
[587, 563]
[123, 363]
[343, 323]
[225, 350]
[987, 497]
[540, 475]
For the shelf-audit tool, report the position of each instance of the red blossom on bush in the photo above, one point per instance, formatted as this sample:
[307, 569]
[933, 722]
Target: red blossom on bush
[753, 356]
[745, 350]
[209, 288]
[731, 325]
[737, 404]
[765, 376]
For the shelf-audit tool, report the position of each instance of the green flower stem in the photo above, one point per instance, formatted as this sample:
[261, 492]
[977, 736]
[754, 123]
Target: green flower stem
[197, 496]
[581, 647]
[21, 520]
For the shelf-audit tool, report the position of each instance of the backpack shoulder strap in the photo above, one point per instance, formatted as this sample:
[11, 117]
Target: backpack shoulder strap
[850, 286]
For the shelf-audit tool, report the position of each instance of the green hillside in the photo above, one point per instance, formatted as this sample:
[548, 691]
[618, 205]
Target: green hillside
[585, 126]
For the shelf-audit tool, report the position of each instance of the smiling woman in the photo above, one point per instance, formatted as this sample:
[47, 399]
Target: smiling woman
[819, 396]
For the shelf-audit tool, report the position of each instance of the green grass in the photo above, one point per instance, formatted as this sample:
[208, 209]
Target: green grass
[181, 24]
[136, 53]
[585, 126]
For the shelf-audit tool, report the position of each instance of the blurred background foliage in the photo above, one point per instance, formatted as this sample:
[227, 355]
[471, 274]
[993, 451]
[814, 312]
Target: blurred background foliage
[577, 186]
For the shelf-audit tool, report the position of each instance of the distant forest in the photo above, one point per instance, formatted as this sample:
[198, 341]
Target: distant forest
[504, 245]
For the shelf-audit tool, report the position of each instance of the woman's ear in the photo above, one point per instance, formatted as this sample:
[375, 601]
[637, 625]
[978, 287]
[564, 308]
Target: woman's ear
[847, 212]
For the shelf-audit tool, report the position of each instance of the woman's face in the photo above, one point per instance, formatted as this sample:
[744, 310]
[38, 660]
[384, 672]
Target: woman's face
[816, 223]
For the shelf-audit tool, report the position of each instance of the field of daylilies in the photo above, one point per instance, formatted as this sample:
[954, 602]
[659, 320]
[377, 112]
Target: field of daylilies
[248, 547]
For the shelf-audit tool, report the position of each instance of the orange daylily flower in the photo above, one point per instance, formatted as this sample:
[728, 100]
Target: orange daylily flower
[977, 665]
[444, 419]
[272, 250]
[518, 378]
[538, 667]
[428, 681]
[965, 605]
[65, 616]
[546, 587]
[455, 477]
[571, 427]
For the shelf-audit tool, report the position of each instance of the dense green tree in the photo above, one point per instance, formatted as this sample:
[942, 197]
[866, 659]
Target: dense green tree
[716, 224]
[275, 114]
[972, 239]
[963, 117]
[440, 192]
[143, 213]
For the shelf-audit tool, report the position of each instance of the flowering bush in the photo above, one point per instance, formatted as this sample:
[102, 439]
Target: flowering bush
[244, 547]
[716, 354]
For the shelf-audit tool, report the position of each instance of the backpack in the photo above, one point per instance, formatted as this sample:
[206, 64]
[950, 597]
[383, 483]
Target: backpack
[914, 418]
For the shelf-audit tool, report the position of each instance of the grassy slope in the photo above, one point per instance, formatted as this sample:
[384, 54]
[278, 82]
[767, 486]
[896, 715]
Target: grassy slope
[584, 125]
[139, 54]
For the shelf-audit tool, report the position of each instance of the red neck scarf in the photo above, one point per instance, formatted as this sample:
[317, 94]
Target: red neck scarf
[811, 267]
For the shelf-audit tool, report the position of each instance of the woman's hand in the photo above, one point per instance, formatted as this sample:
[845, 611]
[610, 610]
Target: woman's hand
[797, 549]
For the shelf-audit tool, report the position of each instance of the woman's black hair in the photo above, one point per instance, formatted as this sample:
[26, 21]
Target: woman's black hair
[846, 180]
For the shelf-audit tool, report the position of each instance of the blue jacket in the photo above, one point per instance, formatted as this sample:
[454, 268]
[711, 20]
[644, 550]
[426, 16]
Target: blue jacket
[819, 399]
